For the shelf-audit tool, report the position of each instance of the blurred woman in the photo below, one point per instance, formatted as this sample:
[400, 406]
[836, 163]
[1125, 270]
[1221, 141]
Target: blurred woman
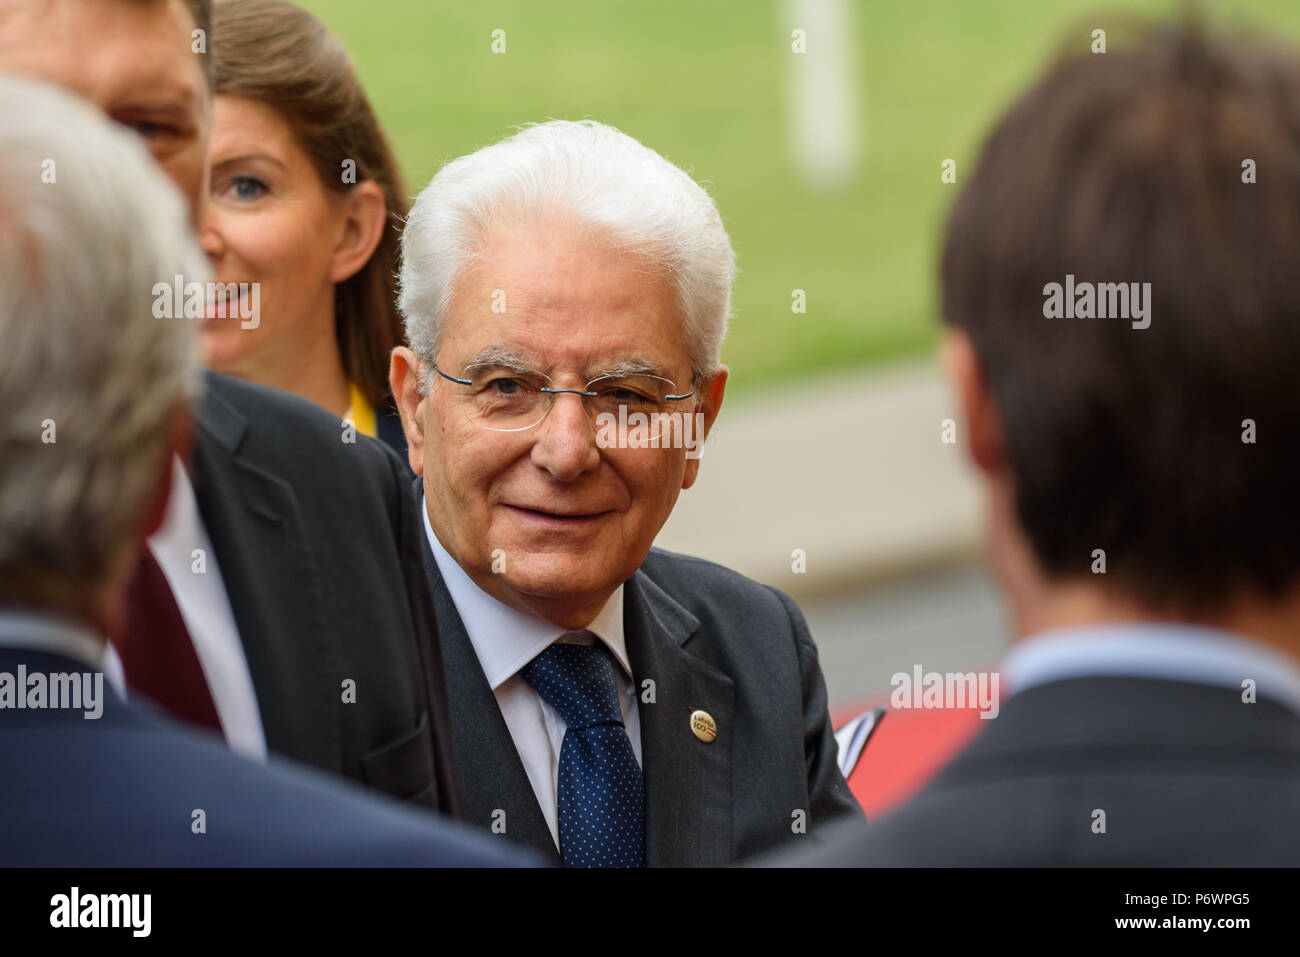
[306, 201]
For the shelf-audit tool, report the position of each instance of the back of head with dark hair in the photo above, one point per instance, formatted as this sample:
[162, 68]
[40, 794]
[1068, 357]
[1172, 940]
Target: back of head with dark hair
[1131, 166]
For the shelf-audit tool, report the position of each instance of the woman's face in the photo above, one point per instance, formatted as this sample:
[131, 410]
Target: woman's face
[271, 221]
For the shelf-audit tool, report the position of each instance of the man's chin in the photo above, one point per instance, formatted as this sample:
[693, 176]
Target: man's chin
[554, 584]
[539, 581]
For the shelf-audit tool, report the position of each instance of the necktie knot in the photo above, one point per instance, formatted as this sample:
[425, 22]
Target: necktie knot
[579, 682]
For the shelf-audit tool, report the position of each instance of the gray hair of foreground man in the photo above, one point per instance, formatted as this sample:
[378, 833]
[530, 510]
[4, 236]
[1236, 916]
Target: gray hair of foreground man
[88, 376]
[583, 171]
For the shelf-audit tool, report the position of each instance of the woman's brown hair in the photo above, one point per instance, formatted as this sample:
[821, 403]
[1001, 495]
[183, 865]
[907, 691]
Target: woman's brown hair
[275, 53]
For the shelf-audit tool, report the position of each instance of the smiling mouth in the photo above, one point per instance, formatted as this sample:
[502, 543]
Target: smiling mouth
[560, 519]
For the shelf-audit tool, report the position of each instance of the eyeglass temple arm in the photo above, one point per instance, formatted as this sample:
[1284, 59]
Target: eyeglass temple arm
[451, 377]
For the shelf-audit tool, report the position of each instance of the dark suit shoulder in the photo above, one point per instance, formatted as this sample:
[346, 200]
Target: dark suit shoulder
[153, 782]
[699, 584]
[288, 434]
[1114, 771]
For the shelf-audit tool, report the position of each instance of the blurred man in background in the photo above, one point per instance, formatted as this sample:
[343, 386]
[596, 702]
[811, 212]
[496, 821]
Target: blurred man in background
[281, 602]
[1138, 447]
[94, 405]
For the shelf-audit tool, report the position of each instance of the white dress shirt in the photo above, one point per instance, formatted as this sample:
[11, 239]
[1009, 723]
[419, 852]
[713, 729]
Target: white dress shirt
[205, 609]
[505, 640]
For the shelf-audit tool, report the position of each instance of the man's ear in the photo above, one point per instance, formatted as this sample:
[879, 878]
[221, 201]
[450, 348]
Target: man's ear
[180, 442]
[365, 214]
[712, 391]
[107, 608]
[965, 376]
[404, 380]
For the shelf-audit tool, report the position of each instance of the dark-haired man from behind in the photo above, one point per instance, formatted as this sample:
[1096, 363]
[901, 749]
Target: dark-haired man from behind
[1141, 471]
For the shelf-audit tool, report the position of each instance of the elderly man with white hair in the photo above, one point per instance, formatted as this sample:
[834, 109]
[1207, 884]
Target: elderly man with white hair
[565, 294]
[95, 395]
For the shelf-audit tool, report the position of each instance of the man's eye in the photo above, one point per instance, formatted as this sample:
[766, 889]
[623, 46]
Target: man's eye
[152, 131]
[625, 395]
[506, 386]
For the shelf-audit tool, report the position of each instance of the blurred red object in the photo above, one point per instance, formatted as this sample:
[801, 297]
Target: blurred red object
[906, 750]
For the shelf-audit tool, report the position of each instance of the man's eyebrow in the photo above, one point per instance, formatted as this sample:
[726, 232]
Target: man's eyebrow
[508, 359]
[629, 366]
[502, 357]
[174, 103]
[163, 96]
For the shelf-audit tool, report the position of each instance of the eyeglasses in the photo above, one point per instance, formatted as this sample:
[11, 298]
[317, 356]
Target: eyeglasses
[511, 400]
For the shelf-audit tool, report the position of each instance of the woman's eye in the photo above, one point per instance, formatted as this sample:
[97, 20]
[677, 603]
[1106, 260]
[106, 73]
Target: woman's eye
[246, 188]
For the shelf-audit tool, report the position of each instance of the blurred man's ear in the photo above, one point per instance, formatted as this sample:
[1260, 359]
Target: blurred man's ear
[983, 427]
[180, 442]
[712, 391]
[105, 607]
[404, 380]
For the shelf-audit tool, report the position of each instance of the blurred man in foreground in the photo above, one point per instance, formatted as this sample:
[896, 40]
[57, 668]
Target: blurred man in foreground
[281, 602]
[94, 404]
[1138, 447]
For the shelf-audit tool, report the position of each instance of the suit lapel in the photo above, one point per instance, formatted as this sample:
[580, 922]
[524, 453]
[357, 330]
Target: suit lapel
[688, 781]
[257, 532]
[492, 777]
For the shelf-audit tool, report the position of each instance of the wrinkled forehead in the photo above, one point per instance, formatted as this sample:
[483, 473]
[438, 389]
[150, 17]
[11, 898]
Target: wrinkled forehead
[112, 52]
[552, 301]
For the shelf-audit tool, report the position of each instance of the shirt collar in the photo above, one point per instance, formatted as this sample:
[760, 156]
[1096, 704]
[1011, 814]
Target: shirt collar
[504, 638]
[54, 634]
[1167, 650]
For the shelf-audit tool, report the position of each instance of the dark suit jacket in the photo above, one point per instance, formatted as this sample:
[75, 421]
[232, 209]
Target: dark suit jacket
[320, 548]
[121, 790]
[709, 639]
[1186, 774]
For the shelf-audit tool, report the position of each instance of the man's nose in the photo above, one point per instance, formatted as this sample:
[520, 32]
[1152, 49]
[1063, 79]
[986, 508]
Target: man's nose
[566, 440]
[211, 241]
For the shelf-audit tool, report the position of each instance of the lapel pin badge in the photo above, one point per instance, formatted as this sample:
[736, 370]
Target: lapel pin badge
[703, 726]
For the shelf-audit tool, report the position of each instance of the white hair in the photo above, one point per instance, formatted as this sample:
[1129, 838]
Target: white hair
[582, 170]
[88, 376]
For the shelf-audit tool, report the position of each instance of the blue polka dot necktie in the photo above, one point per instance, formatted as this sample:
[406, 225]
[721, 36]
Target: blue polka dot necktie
[601, 795]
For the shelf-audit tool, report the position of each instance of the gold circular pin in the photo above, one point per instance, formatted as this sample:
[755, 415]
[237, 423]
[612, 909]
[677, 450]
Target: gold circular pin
[703, 726]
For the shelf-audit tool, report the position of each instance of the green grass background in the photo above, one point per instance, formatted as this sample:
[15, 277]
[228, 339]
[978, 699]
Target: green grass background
[704, 83]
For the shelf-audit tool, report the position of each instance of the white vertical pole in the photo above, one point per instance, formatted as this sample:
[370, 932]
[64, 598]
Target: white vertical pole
[825, 117]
